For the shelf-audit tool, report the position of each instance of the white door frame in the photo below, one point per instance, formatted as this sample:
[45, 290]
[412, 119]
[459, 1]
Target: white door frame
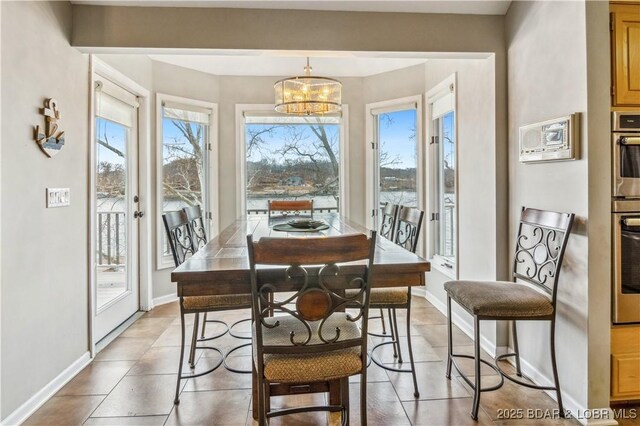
[370, 135]
[97, 66]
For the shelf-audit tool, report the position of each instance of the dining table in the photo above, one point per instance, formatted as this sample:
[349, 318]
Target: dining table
[221, 267]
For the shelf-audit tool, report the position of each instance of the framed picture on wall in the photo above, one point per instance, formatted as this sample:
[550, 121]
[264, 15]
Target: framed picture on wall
[551, 140]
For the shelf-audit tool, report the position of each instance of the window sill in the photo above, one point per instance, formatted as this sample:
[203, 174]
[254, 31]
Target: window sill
[438, 264]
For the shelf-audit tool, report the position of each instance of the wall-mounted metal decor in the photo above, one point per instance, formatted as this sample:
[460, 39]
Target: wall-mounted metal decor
[551, 140]
[50, 142]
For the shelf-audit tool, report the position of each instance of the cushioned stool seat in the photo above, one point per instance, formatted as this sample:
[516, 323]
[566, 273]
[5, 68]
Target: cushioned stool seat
[499, 299]
[386, 296]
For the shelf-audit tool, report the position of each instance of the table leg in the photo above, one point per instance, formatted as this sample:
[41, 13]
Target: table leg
[254, 391]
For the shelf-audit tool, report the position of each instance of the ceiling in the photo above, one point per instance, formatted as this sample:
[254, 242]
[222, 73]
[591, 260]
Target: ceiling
[288, 63]
[474, 7]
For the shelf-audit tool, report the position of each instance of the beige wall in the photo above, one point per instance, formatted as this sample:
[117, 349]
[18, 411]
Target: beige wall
[210, 28]
[547, 78]
[44, 263]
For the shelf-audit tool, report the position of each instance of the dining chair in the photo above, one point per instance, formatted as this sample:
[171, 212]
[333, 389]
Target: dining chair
[530, 296]
[408, 226]
[305, 340]
[199, 240]
[387, 230]
[182, 246]
[290, 208]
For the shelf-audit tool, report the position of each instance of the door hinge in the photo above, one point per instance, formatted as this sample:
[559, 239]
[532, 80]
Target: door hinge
[209, 215]
[613, 90]
[435, 216]
[209, 147]
[373, 145]
[373, 212]
[434, 140]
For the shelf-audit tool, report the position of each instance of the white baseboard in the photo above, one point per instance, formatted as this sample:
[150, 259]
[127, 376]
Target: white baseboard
[23, 412]
[466, 327]
[590, 417]
[587, 417]
[163, 300]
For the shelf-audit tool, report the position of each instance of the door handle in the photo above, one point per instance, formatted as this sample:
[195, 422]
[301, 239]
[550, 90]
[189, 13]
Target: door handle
[137, 214]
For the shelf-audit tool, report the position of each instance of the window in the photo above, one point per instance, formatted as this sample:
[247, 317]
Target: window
[186, 129]
[393, 169]
[292, 157]
[443, 181]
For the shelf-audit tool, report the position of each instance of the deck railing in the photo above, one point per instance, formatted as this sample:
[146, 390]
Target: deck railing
[315, 210]
[111, 245]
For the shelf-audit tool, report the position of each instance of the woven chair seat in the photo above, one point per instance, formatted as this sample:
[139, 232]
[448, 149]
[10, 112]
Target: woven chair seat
[217, 302]
[503, 299]
[385, 296]
[310, 367]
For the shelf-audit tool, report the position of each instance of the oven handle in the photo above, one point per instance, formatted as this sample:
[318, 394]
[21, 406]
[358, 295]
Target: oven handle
[629, 140]
[631, 221]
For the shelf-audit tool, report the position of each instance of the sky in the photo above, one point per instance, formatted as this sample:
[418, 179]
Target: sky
[395, 133]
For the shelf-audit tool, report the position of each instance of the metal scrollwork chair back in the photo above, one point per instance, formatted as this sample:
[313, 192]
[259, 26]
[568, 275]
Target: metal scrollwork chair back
[305, 335]
[179, 234]
[540, 245]
[196, 224]
[408, 228]
[388, 221]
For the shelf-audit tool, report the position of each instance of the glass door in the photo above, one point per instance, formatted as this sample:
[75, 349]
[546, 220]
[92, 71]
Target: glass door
[116, 292]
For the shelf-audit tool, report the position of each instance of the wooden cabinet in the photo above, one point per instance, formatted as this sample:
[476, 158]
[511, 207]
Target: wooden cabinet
[625, 362]
[625, 52]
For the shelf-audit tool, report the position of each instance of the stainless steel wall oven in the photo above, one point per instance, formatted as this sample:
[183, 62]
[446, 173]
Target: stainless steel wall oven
[626, 261]
[626, 154]
[626, 216]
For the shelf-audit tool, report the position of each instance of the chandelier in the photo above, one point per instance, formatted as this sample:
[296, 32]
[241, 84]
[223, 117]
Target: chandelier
[306, 95]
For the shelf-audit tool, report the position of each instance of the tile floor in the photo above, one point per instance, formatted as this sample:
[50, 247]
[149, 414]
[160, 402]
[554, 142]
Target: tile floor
[132, 381]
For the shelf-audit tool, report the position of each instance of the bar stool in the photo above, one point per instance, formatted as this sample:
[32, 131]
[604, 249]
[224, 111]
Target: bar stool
[540, 246]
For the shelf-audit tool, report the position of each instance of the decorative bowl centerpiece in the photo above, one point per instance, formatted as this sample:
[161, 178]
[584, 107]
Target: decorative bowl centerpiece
[305, 223]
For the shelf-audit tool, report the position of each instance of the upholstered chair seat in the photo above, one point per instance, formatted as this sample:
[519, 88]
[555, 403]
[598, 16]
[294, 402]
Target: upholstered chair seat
[499, 299]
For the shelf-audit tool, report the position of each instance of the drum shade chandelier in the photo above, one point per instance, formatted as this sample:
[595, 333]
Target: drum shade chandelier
[307, 95]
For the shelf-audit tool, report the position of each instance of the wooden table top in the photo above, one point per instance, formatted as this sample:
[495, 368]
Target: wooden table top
[222, 266]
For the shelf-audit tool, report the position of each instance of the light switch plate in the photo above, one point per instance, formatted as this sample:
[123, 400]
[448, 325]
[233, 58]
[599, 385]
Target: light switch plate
[58, 197]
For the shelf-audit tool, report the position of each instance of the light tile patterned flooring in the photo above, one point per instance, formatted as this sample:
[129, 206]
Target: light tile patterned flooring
[132, 381]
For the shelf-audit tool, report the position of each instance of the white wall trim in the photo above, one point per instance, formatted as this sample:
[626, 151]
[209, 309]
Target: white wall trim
[23, 412]
[579, 412]
[163, 300]
[466, 326]
[528, 370]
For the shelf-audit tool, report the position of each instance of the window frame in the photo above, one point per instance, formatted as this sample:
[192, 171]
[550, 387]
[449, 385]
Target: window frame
[447, 87]
[241, 155]
[212, 190]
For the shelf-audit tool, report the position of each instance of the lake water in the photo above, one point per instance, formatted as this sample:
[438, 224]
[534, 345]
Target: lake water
[326, 201]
